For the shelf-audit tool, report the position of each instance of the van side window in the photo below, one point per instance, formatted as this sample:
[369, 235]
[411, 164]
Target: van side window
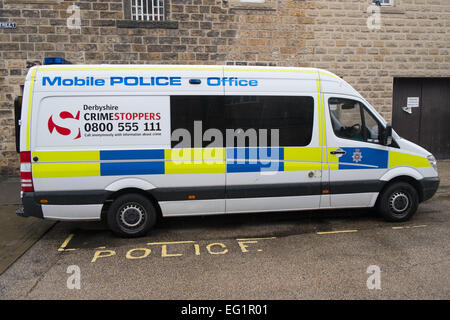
[351, 120]
[185, 110]
[291, 115]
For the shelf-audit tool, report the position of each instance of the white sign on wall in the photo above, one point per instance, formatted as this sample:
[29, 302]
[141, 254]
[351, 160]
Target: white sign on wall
[413, 102]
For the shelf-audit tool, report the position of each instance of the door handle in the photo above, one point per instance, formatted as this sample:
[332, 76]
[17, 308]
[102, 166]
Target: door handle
[338, 152]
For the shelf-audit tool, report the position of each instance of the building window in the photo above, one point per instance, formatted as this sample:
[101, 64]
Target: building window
[384, 3]
[147, 10]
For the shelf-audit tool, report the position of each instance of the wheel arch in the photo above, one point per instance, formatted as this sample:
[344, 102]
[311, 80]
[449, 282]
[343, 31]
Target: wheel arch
[402, 178]
[116, 194]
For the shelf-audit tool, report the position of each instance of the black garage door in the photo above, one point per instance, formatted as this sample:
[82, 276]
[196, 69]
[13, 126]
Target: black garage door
[421, 113]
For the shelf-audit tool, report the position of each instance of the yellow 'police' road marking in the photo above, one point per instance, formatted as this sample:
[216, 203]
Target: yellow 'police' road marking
[65, 243]
[337, 231]
[244, 244]
[103, 254]
[165, 254]
[145, 251]
[218, 244]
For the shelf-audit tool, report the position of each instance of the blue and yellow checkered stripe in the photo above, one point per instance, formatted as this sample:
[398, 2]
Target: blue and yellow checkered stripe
[53, 164]
[210, 160]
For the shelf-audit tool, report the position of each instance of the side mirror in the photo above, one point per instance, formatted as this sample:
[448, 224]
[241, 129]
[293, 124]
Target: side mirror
[386, 137]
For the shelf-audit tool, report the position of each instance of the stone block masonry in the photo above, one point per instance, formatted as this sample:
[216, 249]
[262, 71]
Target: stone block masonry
[413, 41]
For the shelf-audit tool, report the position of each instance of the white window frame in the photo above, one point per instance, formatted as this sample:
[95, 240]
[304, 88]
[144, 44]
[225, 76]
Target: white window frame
[147, 10]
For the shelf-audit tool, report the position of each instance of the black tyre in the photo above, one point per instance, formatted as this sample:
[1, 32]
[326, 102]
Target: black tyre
[131, 215]
[398, 202]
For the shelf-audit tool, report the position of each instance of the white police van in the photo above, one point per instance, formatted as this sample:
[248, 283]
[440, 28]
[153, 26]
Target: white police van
[129, 143]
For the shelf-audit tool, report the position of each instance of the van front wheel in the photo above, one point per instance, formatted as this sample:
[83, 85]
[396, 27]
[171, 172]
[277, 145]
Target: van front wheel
[131, 215]
[398, 202]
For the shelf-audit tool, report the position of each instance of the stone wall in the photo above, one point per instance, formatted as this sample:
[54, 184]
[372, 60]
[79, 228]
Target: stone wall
[413, 41]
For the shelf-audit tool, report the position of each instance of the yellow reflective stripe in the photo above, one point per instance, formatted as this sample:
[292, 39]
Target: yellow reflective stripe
[308, 158]
[302, 166]
[178, 167]
[132, 69]
[61, 156]
[58, 170]
[324, 136]
[204, 160]
[322, 124]
[404, 159]
[178, 69]
[270, 70]
[319, 104]
[333, 166]
[329, 74]
[302, 154]
[30, 96]
[195, 154]
[322, 133]
[333, 161]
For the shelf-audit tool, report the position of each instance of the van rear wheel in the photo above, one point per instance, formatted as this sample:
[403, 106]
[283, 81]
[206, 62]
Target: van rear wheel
[398, 202]
[131, 215]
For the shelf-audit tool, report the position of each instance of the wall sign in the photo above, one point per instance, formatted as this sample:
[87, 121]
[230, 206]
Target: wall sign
[413, 102]
[8, 25]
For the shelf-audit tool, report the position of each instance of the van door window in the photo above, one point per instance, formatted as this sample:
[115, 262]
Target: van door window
[372, 128]
[351, 120]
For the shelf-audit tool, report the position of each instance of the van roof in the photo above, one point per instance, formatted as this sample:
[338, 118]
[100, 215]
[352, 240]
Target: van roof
[84, 67]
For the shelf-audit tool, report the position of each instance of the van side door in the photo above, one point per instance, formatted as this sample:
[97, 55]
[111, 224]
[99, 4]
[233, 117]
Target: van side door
[356, 157]
[272, 160]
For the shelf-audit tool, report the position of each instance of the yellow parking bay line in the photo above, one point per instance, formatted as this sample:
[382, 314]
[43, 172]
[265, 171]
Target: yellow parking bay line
[408, 227]
[65, 243]
[172, 242]
[251, 239]
[337, 231]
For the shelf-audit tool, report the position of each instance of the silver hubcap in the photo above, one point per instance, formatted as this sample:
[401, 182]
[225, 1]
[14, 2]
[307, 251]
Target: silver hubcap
[132, 215]
[399, 202]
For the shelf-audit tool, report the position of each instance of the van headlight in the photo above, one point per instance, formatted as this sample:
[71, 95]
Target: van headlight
[432, 161]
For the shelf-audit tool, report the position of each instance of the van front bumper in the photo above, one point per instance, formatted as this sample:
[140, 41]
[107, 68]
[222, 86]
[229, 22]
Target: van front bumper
[429, 187]
[30, 207]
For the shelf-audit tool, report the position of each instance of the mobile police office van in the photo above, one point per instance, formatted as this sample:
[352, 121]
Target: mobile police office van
[129, 143]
